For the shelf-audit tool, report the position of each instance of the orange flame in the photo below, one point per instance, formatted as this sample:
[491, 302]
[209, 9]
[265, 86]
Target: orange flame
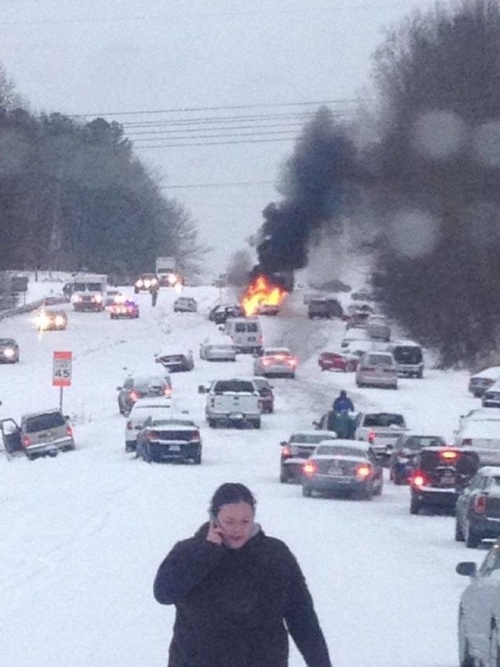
[261, 292]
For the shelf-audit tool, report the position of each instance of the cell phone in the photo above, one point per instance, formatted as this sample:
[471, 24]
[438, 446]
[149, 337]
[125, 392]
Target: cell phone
[213, 519]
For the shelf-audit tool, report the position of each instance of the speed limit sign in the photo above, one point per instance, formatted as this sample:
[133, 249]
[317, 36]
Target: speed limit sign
[61, 369]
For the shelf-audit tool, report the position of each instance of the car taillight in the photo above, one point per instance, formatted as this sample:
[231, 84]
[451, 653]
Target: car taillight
[286, 451]
[448, 455]
[168, 392]
[26, 441]
[129, 426]
[363, 471]
[195, 435]
[480, 504]
[371, 437]
[153, 435]
[309, 468]
[418, 479]
[69, 431]
[266, 362]
[134, 395]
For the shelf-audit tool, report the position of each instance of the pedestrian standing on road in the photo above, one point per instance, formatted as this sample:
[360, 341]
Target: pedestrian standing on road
[238, 593]
[154, 294]
[343, 403]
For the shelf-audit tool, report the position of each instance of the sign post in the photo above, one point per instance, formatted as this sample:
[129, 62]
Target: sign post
[61, 373]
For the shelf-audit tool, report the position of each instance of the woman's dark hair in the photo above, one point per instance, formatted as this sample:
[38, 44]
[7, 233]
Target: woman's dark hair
[231, 492]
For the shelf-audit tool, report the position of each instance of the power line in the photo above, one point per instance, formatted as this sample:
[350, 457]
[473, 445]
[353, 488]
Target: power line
[217, 143]
[214, 108]
[215, 185]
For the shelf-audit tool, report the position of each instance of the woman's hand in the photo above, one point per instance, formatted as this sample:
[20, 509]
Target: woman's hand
[214, 533]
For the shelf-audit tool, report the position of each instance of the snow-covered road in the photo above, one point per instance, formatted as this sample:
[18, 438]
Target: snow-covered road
[83, 534]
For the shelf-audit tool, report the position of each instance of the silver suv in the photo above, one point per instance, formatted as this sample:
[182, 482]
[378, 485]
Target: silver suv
[40, 434]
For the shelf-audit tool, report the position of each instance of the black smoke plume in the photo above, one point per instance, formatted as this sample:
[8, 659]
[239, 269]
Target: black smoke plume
[315, 183]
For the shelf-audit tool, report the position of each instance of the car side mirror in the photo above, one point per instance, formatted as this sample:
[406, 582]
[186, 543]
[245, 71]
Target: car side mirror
[316, 424]
[119, 388]
[282, 444]
[466, 569]
[202, 389]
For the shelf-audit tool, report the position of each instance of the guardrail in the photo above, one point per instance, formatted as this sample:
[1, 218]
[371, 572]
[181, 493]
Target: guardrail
[28, 307]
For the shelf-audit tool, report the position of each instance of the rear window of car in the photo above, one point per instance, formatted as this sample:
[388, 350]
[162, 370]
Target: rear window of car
[44, 422]
[417, 442]
[383, 419]
[234, 385]
[339, 450]
[378, 360]
[309, 438]
[407, 354]
[153, 381]
[465, 462]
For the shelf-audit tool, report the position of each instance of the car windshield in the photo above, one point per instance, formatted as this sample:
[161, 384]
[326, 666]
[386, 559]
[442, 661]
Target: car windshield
[383, 419]
[7, 341]
[309, 438]
[89, 287]
[234, 385]
[340, 450]
[44, 422]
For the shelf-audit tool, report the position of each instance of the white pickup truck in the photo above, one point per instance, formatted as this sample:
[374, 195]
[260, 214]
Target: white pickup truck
[232, 402]
[381, 430]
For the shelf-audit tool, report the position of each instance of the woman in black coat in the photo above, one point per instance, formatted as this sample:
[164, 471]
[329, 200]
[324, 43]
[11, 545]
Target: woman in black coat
[238, 593]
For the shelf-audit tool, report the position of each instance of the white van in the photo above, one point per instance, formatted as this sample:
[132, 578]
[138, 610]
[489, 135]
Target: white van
[245, 332]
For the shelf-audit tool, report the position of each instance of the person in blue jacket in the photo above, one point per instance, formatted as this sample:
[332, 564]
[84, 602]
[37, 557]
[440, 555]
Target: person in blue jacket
[238, 593]
[343, 403]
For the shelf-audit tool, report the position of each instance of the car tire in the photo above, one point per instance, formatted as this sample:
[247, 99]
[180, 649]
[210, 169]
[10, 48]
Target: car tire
[256, 423]
[212, 423]
[284, 477]
[197, 458]
[472, 538]
[414, 505]
[494, 648]
[464, 657]
[459, 535]
[306, 491]
[366, 493]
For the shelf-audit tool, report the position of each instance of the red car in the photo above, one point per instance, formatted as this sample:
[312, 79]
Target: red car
[127, 309]
[338, 361]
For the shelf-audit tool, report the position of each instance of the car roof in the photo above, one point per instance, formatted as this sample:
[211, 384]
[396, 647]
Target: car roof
[173, 349]
[28, 415]
[276, 349]
[145, 378]
[315, 432]
[488, 372]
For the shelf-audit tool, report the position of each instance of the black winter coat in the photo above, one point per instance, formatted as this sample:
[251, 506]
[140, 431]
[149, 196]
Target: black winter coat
[234, 606]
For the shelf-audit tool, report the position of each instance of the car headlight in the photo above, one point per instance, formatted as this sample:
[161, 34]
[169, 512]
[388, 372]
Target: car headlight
[98, 298]
[59, 320]
[9, 352]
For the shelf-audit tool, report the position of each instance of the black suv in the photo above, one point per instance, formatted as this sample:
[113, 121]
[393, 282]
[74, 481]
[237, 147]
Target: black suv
[141, 387]
[439, 475]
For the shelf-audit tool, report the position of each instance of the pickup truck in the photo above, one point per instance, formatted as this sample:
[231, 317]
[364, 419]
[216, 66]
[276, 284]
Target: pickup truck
[381, 430]
[232, 402]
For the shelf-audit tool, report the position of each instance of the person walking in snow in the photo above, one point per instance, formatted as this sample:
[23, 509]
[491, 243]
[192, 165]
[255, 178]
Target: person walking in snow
[154, 293]
[238, 593]
[343, 403]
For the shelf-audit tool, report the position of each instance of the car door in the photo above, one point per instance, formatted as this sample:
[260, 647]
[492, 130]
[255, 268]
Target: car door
[11, 436]
[481, 601]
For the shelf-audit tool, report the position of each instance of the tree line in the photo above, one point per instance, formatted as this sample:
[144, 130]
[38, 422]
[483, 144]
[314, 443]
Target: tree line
[74, 196]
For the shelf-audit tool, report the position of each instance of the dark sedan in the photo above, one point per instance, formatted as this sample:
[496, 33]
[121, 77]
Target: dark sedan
[296, 450]
[344, 467]
[478, 508]
[405, 450]
[169, 440]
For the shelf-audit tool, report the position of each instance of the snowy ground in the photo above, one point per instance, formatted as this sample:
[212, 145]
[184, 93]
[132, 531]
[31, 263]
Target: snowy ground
[83, 534]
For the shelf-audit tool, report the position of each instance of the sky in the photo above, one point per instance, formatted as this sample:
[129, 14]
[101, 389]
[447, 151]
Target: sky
[84, 533]
[213, 96]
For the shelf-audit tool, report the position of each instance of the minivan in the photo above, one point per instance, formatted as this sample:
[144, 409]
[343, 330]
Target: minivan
[409, 358]
[245, 332]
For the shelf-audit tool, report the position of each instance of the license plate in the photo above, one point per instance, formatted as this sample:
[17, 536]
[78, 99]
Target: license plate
[174, 448]
[336, 472]
[236, 415]
[448, 478]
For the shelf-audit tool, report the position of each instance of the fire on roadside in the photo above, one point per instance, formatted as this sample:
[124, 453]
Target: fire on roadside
[261, 293]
